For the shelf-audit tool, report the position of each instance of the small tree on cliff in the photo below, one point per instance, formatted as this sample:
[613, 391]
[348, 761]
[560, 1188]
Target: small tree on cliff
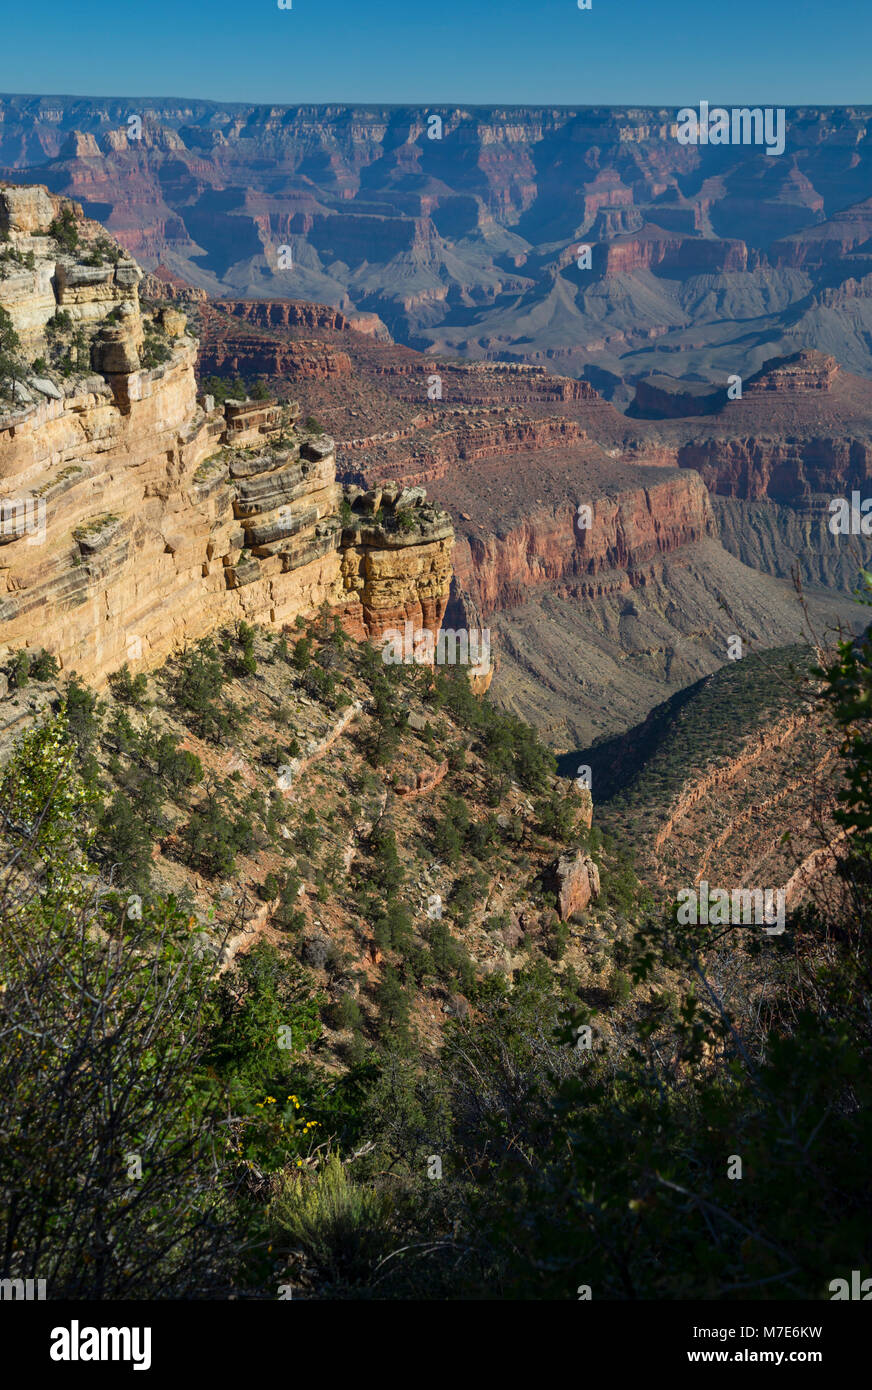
[9, 347]
[64, 230]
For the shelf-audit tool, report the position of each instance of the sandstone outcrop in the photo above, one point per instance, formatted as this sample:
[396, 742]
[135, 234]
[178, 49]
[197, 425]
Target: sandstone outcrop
[578, 883]
[427, 451]
[653, 248]
[254, 356]
[806, 370]
[420, 783]
[143, 517]
[163, 284]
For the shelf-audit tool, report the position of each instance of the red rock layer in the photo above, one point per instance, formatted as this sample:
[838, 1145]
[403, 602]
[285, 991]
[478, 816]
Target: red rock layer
[627, 532]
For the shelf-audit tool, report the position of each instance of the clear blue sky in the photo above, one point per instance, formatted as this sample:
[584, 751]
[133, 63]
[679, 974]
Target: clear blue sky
[426, 52]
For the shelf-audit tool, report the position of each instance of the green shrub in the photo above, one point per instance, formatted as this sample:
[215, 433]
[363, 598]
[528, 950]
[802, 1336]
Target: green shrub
[130, 690]
[270, 888]
[341, 1228]
[154, 351]
[179, 767]
[394, 1003]
[19, 669]
[124, 842]
[246, 665]
[61, 322]
[345, 1013]
[64, 230]
[195, 681]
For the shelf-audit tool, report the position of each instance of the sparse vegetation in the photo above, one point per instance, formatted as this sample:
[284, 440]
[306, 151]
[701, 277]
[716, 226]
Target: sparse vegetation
[324, 1072]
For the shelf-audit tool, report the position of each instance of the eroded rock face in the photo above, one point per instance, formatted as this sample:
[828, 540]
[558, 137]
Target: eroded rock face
[583, 793]
[254, 356]
[43, 278]
[26, 210]
[578, 883]
[137, 517]
[804, 371]
[626, 533]
[412, 783]
[115, 351]
[651, 248]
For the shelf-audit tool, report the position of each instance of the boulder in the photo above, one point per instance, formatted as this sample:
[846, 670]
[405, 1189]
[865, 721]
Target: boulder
[46, 387]
[115, 351]
[390, 492]
[410, 497]
[512, 934]
[456, 1006]
[315, 951]
[26, 209]
[172, 322]
[318, 447]
[370, 501]
[578, 883]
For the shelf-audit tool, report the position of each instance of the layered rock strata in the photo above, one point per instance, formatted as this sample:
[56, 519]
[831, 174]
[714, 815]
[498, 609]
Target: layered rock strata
[136, 516]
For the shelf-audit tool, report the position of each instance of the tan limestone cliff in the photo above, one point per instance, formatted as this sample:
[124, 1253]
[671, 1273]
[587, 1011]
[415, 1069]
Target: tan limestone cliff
[134, 516]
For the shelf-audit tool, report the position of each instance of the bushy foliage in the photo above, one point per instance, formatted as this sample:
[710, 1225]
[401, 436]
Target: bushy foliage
[195, 684]
[107, 1139]
[131, 690]
[336, 1227]
[583, 1126]
[65, 230]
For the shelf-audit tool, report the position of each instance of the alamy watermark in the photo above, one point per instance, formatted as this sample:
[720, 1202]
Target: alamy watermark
[77, 1343]
[859, 1289]
[852, 518]
[742, 125]
[739, 907]
[25, 1289]
[452, 647]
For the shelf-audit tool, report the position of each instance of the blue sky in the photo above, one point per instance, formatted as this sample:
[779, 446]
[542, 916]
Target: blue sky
[425, 52]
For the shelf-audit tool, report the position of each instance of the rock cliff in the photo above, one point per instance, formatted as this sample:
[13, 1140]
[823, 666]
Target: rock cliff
[591, 625]
[135, 515]
[548, 548]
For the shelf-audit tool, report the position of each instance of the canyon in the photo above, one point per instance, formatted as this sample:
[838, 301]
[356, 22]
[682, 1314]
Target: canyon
[700, 514]
[737, 776]
[706, 260]
[168, 515]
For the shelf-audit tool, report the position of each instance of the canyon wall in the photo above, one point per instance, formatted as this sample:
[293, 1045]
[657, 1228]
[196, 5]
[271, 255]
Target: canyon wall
[548, 548]
[135, 516]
